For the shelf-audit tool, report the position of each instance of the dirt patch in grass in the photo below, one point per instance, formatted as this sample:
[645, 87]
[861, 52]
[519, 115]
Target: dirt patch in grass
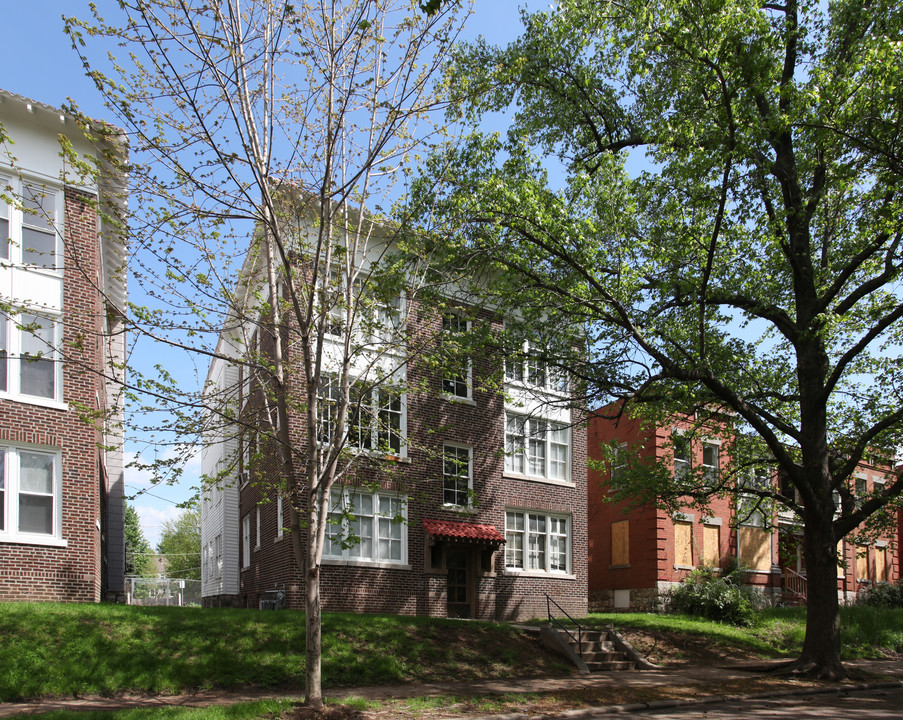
[334, 712]
[675, 649]
[452, 652]
[553, 703]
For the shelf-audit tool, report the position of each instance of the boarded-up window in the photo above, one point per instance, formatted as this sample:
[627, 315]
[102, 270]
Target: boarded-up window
[880, 564]
[683, 543]
[841, 560]
[711, 544]
[620, 543]
[862, 562]
[755, 548]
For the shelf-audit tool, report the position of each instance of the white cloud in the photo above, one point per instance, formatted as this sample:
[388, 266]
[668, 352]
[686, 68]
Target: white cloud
[152, 517]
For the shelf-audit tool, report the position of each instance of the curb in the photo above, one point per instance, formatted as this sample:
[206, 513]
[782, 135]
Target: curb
[590, 712]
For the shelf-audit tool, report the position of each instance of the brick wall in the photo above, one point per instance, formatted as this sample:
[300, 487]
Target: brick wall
[71, 573]
[415, 589]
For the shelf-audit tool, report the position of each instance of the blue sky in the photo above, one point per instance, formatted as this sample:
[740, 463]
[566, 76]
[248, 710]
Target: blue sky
[40, 64]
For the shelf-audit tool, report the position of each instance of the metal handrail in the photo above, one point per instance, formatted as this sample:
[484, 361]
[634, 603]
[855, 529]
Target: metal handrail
[579, 638]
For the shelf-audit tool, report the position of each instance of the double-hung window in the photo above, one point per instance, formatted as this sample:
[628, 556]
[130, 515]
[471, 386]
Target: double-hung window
[537, 542]
[367, 527]
[375, 419]
[456, 378]
[29, 358]
[537, 447]
[457, 474]
[533, 369]
[246, 541]
[710, 461]
[30, 496]
[30, 226]
[682, 457]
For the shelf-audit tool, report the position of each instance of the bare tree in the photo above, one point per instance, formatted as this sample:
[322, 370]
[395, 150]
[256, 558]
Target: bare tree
[288, 124]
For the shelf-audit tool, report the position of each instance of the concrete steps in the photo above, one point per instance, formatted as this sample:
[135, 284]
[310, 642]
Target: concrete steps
[599, 652]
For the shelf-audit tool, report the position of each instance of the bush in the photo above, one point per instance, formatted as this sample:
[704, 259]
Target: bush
[716, 595]
[882, 595]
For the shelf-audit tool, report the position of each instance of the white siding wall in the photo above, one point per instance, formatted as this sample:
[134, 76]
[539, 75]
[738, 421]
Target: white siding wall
[219, 507]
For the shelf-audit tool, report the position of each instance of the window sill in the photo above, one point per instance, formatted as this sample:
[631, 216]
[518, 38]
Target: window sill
[23, 539]
[619, 567]
[389, 458]
[32, 400]
[279, 538]
[464, 509]
[459, 400]
[365, 564]
[48, 272]
[538, 479]
[684, 567]
[539, 574]
[536, 389]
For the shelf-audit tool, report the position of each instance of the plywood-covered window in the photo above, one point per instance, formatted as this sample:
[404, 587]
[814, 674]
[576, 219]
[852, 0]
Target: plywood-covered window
[862, 562]
[880, 564]
[754, 547]
[683, 543]
[620, 543]
[711, 544]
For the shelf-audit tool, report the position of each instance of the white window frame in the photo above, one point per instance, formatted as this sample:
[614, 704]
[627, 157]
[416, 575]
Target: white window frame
[682, 465]
[618, 467]
[385, 318]
[533, 446]
[534, 373]
[383, 532]
[14, 339]
[218, 551]
[453, 479]
[711, 470]
[533, 539]
[459, 387]
[246, 541]
[18, 217]
[12, 493]
[371, 439]
[257, 529]
[279, 517]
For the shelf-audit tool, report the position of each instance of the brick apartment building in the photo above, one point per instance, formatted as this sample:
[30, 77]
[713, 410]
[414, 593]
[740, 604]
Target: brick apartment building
[637, 554]
[62, 292]
[486, 533]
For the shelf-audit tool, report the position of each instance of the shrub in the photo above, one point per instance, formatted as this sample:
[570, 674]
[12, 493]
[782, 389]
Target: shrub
[882, 595]
[716, 595]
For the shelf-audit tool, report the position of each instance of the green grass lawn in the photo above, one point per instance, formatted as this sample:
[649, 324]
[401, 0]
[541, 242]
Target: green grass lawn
[865, 631]
[57, 649]
[54, 649]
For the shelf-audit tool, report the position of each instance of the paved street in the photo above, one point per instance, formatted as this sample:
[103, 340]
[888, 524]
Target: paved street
[857, 705]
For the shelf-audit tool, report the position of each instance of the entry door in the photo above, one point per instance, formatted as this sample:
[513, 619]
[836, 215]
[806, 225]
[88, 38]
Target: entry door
[456, 562]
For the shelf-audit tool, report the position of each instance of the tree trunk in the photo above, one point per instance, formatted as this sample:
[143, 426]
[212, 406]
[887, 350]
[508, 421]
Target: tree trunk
[821, 648]
[313, 690]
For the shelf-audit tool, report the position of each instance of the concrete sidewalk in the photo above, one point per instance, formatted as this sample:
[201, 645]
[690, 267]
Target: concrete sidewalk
[883, 672]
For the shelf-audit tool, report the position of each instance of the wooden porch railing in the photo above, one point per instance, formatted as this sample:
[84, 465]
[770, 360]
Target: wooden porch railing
[796, 584]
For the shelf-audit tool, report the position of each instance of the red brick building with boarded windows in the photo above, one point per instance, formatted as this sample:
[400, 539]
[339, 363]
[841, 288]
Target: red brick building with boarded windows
[637, 554]
[62, 291]
[485, 533]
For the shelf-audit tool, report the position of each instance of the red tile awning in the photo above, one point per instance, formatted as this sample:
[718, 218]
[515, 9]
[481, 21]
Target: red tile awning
[468, 532]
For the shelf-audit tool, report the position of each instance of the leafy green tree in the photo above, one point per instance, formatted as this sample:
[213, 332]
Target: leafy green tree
[753, 267]
[138, 552]
[180, 544]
